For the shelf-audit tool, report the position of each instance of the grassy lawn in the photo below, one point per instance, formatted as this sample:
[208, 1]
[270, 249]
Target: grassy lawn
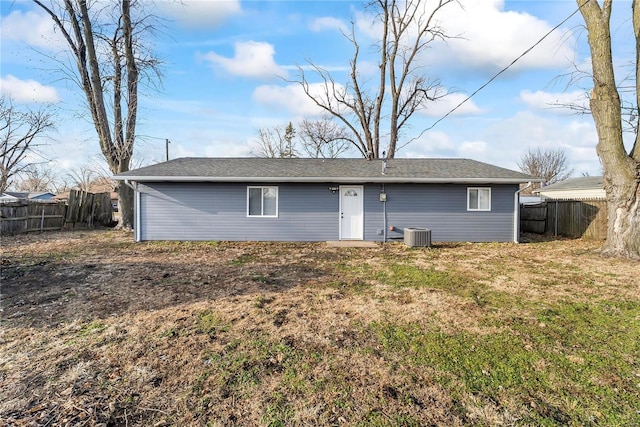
[97, 329]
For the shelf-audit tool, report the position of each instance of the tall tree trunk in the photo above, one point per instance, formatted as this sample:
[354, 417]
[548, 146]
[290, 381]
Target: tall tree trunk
[125, 198]
[126, 149]
[117, 138]
[621, 170]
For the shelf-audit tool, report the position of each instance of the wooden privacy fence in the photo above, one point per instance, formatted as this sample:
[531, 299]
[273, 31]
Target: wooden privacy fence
[571, 218]
[533, 218]
[23, 216]
[88, 209]
[82, 209]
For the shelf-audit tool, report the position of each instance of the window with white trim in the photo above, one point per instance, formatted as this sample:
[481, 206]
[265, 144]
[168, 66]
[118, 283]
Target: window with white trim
[479, 199]
[262, 201]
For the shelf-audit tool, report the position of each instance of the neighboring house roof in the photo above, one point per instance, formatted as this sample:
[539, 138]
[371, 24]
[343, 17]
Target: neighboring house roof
[589, 187]
[255, 169]
[42, 195]
[65, 195]
[530, 200]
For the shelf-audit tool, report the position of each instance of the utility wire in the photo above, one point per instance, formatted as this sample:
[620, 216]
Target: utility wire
[497, 74]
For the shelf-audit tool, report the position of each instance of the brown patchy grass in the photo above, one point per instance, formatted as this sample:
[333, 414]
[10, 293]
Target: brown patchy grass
[98, 330]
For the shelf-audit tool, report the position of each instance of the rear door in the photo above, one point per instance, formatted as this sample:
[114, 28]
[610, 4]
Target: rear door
[351, 212]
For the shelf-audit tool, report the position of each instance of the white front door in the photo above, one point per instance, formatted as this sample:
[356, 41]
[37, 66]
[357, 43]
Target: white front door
[351, 212]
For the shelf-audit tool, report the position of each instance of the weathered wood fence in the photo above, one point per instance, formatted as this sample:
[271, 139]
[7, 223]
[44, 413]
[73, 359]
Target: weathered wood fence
[533, 218]
[88, 209]
[23, 216]
[82, 209]
[571, 218]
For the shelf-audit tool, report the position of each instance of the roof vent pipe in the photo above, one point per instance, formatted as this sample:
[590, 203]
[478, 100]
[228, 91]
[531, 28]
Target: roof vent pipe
[384, 162]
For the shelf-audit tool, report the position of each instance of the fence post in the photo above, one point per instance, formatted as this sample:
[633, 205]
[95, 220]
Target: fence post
[555, 232]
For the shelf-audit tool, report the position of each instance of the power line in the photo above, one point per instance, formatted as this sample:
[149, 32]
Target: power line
[497, 74]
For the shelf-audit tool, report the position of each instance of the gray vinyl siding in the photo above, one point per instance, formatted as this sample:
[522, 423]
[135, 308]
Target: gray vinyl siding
[209, 211]
[442, 209]
[310, 212]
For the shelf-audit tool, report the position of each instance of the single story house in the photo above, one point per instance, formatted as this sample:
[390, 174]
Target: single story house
[265, 199]
[23, 195]
[583, 188]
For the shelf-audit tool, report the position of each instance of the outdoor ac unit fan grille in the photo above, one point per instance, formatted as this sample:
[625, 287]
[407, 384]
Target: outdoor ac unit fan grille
[417, 237]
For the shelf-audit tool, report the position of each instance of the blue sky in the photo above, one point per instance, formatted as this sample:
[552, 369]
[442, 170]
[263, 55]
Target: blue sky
[226, 66]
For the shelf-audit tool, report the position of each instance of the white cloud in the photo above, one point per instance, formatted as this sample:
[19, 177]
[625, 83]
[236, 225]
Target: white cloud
[328, 23]
[503, 142]
[431, 144]
[511, 138]
[180, 150]
[472, 149]
[291, 97]
[582, 132]
[484, 36]
[27, 90]
[491, 37]
[71, 145]
[200, 14]
[368, 25]
[556, 101]
[35, 29]
[251, 59]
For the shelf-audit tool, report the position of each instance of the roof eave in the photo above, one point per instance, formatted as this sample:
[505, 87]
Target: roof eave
[345, 180]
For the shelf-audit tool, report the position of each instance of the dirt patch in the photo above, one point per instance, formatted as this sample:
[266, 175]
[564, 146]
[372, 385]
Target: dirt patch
[55, 278]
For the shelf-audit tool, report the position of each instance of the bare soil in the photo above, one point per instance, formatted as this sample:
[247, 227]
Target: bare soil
[99, 330]
[50, 279]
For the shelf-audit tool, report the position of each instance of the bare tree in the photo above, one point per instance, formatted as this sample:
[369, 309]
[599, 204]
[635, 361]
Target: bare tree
[81, 177]
[38, 178]
[323, 138]
[276, 142]
[103, 184]
[550, 164]
[400, 89]
[91, 177]
[621, 167]
[107, 42]
[19, 135]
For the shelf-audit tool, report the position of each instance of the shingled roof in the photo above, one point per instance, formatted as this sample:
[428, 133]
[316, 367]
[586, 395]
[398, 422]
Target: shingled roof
[581, 183]
[255, 169]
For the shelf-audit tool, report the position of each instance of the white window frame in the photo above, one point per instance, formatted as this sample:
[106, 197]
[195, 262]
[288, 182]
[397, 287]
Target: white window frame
[262, 187]
[478, 189]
